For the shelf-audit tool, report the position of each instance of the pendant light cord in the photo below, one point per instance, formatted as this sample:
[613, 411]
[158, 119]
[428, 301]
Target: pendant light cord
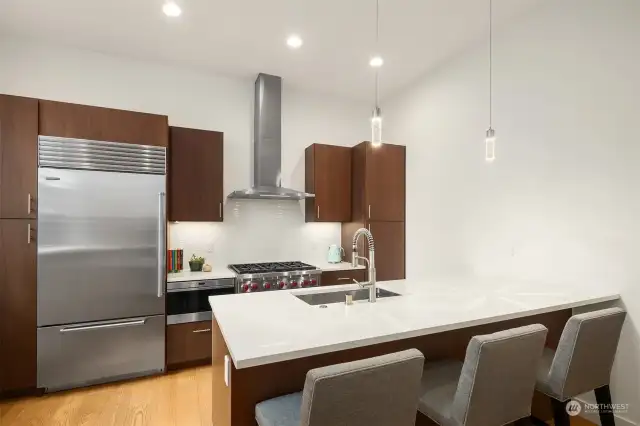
[490, 63]
[377, 48]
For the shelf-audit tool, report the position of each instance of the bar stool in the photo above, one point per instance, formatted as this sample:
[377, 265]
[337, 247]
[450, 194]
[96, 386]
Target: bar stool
[379, 391]
[582, 362]
[494, 385]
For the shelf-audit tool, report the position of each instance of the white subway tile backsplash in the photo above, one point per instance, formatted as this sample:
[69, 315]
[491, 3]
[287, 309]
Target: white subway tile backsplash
[256, 231]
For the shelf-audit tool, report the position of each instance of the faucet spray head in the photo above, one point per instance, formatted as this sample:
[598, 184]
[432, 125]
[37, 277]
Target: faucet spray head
[354, 256]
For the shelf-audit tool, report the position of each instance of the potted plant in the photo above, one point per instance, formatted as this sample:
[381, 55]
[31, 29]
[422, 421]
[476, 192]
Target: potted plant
[195, 263]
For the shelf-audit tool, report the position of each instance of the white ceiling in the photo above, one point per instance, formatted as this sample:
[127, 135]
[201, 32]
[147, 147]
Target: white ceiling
[244, 37]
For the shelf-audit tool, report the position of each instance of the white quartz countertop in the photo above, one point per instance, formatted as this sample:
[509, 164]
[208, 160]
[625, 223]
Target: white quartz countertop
[262, 328]
[187, 275]
[219, 272]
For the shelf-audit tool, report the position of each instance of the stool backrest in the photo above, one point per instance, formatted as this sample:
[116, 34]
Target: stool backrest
[585, 353]
[498, 377]
[379, 391]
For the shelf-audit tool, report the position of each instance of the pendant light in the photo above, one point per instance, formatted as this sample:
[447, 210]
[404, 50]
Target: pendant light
[490, 140]
[376, 62]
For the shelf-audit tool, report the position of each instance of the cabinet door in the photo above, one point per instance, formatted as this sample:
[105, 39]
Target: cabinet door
[18, 157]
[328, 176]
[102, 124]
[188, 343]
[196, 175]
[390, 250]
[17, 304]
[342, 277]
[385, 183]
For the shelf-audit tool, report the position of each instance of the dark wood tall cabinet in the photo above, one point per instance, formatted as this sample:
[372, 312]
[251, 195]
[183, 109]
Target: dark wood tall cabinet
[18, 157]
[328, 176]
[18, 211]
[196, 172]
[378, 204]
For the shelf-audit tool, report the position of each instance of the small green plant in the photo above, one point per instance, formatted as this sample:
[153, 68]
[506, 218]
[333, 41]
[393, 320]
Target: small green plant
[195, 263]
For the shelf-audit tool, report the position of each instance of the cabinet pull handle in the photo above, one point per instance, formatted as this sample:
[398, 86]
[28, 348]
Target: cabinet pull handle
[318, 212]
[220, 209]
[204, 330]
[28, 233]
[369, 211]
[29, 203]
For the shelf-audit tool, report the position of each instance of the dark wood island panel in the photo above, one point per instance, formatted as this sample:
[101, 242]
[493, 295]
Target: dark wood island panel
[234, 405]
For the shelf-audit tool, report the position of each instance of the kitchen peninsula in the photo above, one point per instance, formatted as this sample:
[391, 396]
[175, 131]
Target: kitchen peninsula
[264, 343]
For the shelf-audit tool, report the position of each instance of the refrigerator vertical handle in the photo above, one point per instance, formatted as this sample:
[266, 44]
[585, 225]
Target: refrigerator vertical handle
[162, 240]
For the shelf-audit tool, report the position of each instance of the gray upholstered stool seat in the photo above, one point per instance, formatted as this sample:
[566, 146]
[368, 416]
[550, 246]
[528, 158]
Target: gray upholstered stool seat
[281, 411]
[494, 385]
[582, 362]
[379, 391]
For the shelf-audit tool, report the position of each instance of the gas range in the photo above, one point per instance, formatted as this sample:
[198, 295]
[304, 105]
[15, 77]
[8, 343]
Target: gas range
[272, 276]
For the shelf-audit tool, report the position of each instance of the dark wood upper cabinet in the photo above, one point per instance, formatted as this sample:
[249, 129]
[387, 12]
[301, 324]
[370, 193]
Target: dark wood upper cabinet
[379, 182]
[18, 157]
[102, 124]
[17, 305]
[196, 191]
[328, 176]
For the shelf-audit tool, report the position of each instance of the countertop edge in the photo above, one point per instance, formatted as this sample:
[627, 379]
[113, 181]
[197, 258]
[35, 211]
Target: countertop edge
[255, 362]
[219, 274]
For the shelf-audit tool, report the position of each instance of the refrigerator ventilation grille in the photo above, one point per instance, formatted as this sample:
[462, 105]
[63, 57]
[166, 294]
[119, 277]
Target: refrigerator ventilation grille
[65, 153]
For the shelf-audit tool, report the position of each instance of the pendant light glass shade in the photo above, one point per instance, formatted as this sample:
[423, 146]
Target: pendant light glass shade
[490, 145]
[376, 127]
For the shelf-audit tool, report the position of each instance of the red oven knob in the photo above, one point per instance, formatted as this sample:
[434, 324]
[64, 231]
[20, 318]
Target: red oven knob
[245, 288]
[282, 284]
[254, 286]
[305, 283]
[314, 282]
[267, 285]
[294, 284]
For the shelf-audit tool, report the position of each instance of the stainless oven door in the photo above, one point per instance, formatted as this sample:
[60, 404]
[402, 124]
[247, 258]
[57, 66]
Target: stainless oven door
[188, 301]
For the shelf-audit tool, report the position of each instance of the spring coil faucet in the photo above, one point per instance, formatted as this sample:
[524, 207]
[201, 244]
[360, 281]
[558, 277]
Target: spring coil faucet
[371, 283]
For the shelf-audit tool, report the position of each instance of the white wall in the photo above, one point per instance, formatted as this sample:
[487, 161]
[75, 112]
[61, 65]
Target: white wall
[562, 200]
[252, 229]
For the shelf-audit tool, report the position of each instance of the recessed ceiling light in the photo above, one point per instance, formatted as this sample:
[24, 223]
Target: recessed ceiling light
[171, 9]
[376, 62]
[294, 41]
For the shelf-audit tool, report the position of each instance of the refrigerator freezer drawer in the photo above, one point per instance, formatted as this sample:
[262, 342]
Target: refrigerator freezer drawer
[77, 355]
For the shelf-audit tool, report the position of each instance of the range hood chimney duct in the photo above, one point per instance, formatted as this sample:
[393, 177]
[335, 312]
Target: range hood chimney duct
[267, 145]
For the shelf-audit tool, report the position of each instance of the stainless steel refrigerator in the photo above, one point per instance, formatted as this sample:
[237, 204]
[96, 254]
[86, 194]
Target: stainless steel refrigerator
[101, 261]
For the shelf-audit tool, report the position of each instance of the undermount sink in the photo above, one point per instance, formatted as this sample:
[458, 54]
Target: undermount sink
[339, 296]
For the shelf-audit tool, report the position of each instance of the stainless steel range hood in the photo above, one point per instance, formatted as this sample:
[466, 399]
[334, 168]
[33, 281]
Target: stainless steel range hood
[267, 145]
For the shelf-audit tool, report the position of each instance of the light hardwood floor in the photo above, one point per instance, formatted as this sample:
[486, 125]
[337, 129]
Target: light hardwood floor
[175, 399]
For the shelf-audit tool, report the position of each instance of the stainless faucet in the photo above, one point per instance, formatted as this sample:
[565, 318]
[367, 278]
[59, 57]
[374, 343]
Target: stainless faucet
[371, 263]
